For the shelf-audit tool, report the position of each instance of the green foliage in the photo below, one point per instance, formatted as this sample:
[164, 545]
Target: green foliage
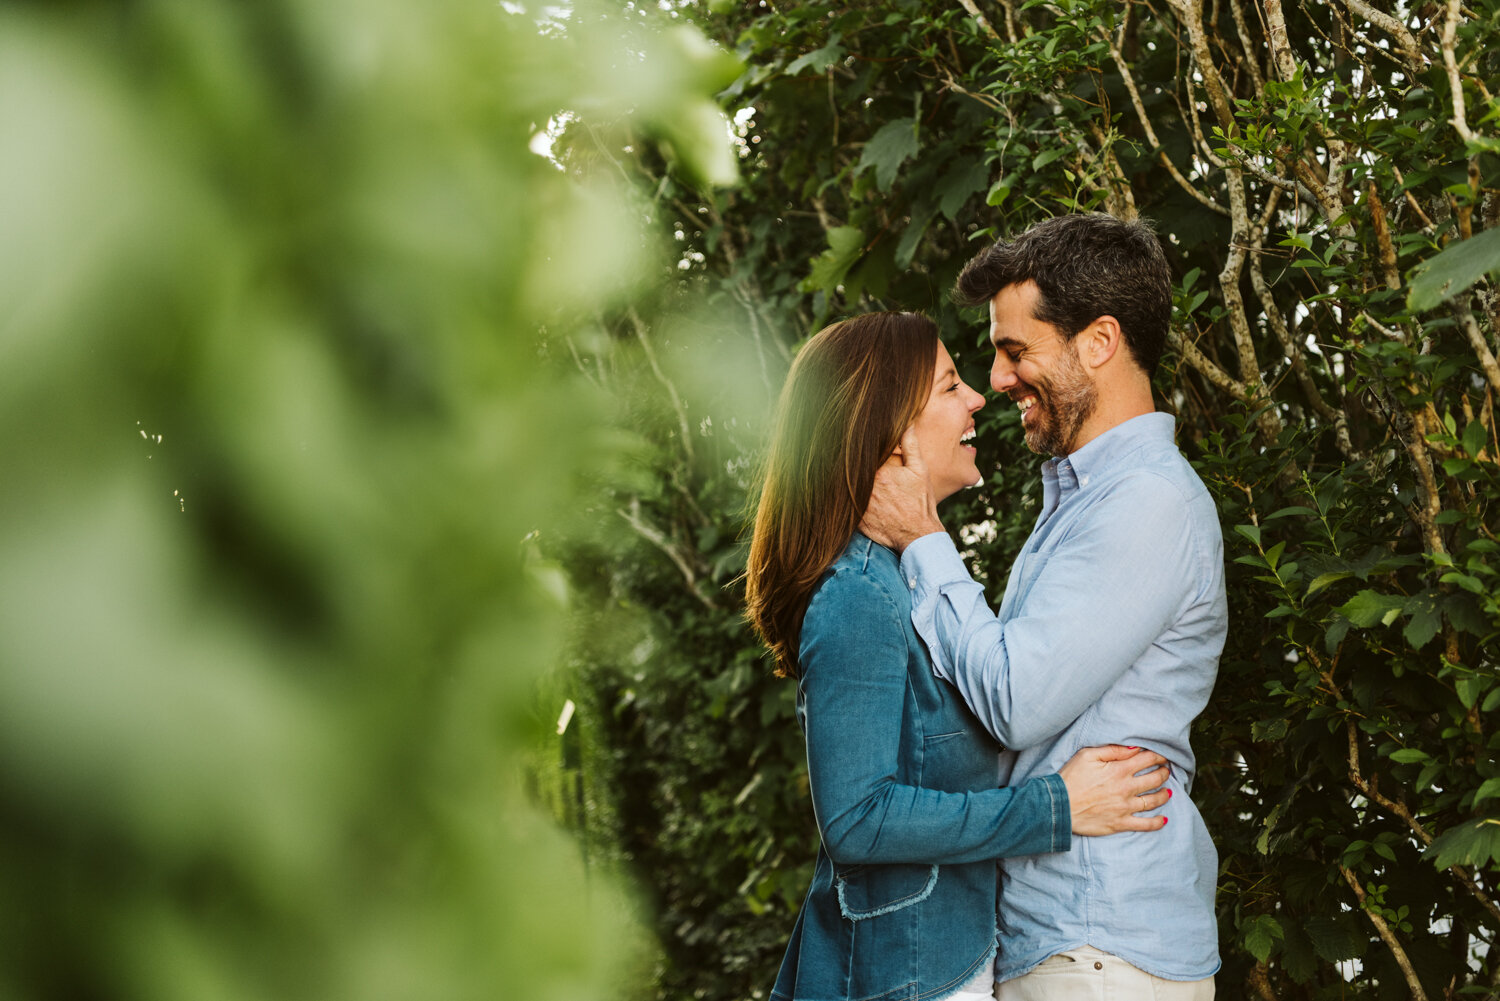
[1330, 208]
[1454, 271]
[277, 431]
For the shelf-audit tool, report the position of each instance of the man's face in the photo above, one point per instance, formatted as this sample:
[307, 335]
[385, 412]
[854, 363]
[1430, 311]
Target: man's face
[1039, 371]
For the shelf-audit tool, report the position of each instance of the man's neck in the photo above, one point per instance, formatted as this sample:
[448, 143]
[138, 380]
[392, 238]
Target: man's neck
[1107, 418]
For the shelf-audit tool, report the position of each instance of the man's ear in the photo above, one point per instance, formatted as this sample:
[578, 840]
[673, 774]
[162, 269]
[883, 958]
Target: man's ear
[1100, 341]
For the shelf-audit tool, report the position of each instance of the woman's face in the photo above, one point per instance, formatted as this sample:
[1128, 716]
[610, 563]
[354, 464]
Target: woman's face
[944, 428]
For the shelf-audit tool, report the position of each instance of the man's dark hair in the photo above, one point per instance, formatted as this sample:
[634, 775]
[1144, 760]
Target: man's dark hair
[1086, 266]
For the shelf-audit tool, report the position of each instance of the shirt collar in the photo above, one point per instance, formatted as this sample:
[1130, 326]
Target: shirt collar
[1064, 474]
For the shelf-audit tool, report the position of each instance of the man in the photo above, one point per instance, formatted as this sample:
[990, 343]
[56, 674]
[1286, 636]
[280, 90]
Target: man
[1113, 617]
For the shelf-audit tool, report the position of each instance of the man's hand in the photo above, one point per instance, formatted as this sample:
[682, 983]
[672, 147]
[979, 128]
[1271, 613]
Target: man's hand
[1105, 794]
[902, 508]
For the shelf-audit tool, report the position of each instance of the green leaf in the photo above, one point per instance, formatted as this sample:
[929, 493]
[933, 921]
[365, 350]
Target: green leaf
[1337, 937]
[1268, 730]
[1471, 843]
[888, 149]
[1260, 934]
[1489, 790]
[1454, 270]
[1424, 619]
[998, 193]
[906, 249]
[1251, 532]
[1475, 437]
[1468, 688]
[1046, 156]
[1322, 580]
[1287, 512]
[1409, 755]
[962, 180]
[1471, 584]
[1465, 614]
[818, 60]
[845, 244]
[1367, 608]
[1337, 630]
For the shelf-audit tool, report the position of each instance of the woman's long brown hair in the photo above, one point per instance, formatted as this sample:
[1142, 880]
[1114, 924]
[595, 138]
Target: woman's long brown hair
[853, 389]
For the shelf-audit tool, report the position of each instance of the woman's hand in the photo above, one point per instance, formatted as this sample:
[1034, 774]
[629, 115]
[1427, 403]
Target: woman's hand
[1105, 793]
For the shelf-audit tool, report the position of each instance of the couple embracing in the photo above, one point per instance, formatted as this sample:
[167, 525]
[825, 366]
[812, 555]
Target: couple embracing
[944, 736]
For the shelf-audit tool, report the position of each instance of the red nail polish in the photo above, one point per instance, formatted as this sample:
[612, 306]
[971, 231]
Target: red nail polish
[1164, 821]
[1169, 794]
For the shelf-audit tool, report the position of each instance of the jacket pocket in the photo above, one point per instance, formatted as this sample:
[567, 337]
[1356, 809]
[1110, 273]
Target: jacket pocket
[868, 891]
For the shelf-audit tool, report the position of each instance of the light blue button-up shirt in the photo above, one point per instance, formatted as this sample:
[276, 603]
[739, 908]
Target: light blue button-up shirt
[1109, 633]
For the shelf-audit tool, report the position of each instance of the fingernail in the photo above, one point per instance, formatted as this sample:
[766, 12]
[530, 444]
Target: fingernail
[1169, 794]
[1132, 747]
[1164, 821]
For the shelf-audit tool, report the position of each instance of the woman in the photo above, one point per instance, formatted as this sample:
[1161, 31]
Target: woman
[903, 776]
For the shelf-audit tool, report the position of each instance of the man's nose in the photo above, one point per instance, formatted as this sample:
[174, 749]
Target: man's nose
[1002, 373]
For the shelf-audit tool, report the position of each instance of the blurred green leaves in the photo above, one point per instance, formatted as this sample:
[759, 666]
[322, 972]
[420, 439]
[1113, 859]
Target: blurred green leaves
[1454, 270]
[265, 681]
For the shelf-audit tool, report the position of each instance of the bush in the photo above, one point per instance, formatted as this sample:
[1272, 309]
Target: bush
[1333, 375]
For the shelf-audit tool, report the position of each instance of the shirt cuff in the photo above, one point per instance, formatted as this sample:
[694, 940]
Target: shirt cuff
[929, 563]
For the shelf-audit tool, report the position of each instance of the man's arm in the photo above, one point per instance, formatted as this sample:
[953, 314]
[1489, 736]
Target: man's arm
[1104, 596]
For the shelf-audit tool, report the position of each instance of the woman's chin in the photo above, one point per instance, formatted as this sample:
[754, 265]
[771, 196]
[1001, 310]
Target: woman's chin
[947, 492]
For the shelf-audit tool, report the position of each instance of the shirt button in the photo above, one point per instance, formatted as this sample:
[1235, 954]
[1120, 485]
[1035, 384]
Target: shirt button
[912, 583]
[1098, 965]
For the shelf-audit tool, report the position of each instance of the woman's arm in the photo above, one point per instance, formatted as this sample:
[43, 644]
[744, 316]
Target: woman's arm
[854, 681]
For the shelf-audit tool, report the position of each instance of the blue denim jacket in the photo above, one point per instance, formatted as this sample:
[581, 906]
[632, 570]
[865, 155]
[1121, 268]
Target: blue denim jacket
[903, 777]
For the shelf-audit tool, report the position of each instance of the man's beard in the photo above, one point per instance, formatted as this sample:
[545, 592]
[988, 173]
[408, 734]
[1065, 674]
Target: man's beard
[1066, 400]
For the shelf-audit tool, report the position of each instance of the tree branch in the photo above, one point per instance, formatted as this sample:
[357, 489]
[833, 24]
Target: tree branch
[1405, 41]
[1388, 266]
[660, 541]
[979, 18]
[1459, 121]
[1276, 37]
[1465, 317]
[1250, 60]
[1216, 376]
[1387, 936]
[1295, 357]
[677, 407]
[1145, 120]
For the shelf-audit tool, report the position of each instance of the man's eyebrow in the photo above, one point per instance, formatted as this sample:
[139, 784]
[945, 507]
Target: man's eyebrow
[1007, 342]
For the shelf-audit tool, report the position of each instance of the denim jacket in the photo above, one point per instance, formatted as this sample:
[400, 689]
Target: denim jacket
[903, 778]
